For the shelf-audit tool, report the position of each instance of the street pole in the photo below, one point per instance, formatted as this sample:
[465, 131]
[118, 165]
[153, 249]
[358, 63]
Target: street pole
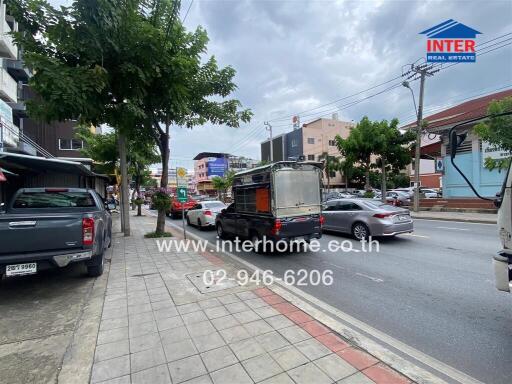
[269, 128]
[424, 71]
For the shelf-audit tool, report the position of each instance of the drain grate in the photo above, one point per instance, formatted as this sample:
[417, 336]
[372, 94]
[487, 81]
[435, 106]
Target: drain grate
[216, 282]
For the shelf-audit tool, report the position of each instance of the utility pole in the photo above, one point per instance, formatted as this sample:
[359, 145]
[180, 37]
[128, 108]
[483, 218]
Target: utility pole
[268, 127]
[423, 70]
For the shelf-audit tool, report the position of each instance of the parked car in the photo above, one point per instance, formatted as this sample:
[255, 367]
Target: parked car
[336, 195]
[366, 217]
[52, 227]
[279, 201]
[429, 193]
[178, 208]
[403, 197]
[204, 213]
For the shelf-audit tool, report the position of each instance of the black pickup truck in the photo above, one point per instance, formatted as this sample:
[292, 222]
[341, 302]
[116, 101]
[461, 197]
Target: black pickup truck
[51, 227]
[279, 202]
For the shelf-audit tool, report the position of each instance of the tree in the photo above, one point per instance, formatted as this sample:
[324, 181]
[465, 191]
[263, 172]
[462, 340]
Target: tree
[347, 168]
[186, 91]
[331, 165]
[497, 130]
[222, 184]
[360, 145]
[103, 148]
[127, 63]
[393, 148]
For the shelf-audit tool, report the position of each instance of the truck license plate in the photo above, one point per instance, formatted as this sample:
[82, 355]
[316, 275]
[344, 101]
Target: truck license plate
[21, 269]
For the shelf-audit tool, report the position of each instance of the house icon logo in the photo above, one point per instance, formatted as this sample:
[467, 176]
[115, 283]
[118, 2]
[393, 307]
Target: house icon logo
[451, 42]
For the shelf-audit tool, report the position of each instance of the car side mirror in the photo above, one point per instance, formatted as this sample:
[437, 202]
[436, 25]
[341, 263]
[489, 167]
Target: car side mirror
[455, 142]
[498, 201]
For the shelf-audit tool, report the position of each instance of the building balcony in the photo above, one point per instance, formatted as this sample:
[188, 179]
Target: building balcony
[8, 87]
[16, 69]
[7, 47]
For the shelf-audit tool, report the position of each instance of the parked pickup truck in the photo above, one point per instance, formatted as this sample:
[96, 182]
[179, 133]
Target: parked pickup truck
[51, 227]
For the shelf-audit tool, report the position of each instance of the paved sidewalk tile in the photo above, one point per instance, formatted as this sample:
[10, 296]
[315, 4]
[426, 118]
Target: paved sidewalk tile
[155, 375]
[186, 369]
[232, 374]
[110, 369]
[382, 374]
[157, 328]
[309, 373]
[335, 367]
[247, 348]
[216, 359]
[261, 367]
[289, 357]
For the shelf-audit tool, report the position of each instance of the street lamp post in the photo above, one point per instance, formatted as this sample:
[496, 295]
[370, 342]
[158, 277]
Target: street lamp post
[268, 127]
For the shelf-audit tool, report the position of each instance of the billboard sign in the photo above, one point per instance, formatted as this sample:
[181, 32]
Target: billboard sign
[217, 166]
[492, 151]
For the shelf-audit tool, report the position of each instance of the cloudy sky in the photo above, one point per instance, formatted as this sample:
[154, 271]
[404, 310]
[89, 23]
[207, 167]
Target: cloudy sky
[294, 56]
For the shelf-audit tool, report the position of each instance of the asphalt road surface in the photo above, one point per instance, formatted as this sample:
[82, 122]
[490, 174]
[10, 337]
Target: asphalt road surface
[433, 290]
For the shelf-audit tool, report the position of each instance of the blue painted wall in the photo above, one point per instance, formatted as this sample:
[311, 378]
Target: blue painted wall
[487, 183]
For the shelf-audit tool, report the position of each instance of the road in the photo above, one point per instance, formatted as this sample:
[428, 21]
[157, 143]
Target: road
[433, 290]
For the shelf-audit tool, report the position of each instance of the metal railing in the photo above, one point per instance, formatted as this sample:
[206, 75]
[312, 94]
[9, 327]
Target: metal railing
[24, 138]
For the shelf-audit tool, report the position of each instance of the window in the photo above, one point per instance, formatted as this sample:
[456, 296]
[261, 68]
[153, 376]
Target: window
[332, 143]
[311, 157]
[332, 174]
[54, 200]
[311, 140]
[70, 144]
[245, 200]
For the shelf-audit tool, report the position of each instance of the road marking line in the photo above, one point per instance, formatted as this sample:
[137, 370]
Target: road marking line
[376, 279]
[414, 235]
[453, 221]
[453, 228]
[381, 352]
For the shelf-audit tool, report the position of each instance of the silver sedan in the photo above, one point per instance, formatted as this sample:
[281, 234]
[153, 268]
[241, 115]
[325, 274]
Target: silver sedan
[366, 217]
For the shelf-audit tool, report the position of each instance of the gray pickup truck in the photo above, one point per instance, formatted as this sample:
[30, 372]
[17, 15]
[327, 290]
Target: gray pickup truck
[43, 228]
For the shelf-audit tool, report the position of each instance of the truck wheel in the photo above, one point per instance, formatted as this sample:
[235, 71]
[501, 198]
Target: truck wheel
[220, 232]
[96, 269]
[256, 242]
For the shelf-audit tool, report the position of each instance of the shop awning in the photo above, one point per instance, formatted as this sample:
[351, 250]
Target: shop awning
[18, 163]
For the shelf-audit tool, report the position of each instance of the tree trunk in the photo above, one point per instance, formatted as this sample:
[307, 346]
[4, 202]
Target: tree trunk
[346, 182]
[164, 181]
[383, 187]
[367, 186]
[125, 209]
[137, 191]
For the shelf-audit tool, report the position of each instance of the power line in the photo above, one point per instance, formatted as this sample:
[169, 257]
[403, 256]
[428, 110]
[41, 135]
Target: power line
[186, 14]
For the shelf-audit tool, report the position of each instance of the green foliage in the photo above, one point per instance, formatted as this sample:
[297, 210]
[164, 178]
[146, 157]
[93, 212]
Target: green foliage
[331, 164]
[161, 200]
[497, 130]
[380, 139]
[128, 64]
[369, 195]
[222, 184]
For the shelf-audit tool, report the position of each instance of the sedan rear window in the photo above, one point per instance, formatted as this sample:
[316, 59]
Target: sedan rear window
[54, 200]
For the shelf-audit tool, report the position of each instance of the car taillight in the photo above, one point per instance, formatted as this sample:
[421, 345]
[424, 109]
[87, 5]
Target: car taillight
[87, 231]
[322, 220]
[208, 213]
[276, 227]
[382, 215]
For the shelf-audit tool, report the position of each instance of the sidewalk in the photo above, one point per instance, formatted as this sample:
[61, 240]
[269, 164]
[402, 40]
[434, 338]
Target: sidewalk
[157, 327]
[484, 218]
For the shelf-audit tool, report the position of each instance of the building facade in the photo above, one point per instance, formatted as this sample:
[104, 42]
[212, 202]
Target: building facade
[471, 154]
[309, 142]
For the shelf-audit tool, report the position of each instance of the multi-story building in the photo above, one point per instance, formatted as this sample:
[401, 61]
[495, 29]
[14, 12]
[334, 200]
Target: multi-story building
[309, 142]
[33, 154]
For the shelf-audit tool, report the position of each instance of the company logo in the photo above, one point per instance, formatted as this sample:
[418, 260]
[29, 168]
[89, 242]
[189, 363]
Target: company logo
[451, 42]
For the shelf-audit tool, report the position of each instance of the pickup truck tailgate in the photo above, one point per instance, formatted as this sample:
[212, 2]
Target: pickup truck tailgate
[27, 233]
